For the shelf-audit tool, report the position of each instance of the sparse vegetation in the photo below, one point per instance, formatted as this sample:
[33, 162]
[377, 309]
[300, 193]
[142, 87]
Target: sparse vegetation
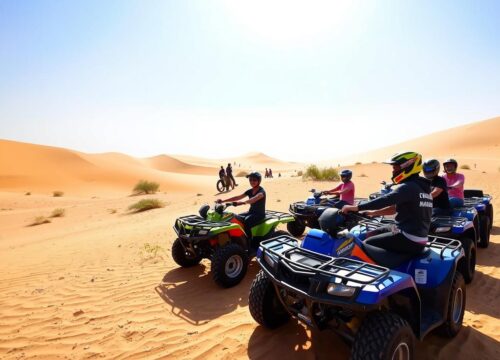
[39, 220]
[363, 175]
[358, 163]
[58, 193]
[465, 167]
[146, 204]
[28, 193]
[199, 194]
[300, 173]
[325, 174]
[112, 211]
[59, 212]
[146, 187]
[241, 174]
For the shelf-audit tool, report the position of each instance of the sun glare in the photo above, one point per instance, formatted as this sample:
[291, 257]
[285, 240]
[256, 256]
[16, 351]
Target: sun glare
[290, 22]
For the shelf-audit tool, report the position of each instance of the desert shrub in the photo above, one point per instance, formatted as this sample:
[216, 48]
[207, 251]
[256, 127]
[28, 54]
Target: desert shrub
[57, 193]
[146, 187]
[241, 174]
[358, 163]
[58, 213]
[300, 173]
[39, 220]
[151, 251]
[325, 174]
[363, 175]
[146, 204]
[465, 167]
[28, 193]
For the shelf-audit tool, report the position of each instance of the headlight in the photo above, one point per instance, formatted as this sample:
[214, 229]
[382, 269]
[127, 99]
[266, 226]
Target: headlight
[340, 290]
[443, 229]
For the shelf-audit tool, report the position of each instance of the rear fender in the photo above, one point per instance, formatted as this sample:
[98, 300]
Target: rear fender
[269, 225]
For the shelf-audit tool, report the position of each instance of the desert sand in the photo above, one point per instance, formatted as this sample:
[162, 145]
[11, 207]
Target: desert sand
[90, 284]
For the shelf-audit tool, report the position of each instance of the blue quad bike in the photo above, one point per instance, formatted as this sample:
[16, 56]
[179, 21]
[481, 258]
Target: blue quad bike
[306, 213]
[378, 301]
[484, 207]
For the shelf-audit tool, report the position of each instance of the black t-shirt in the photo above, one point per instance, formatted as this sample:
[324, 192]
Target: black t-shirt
[259, 207]
[441, 201]
[229, 171]
[413, 205]
[222, 173]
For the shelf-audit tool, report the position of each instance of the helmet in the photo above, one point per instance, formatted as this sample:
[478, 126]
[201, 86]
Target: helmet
[330, 220]
[431, 168]
[346, 174]
[450, 161]
[405, 165]
[204, 211]
[255, 175]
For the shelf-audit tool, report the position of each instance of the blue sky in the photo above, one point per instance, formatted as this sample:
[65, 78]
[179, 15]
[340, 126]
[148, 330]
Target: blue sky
[297, 80]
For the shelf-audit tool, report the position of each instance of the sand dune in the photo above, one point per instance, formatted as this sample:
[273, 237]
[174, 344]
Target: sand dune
[88, 285]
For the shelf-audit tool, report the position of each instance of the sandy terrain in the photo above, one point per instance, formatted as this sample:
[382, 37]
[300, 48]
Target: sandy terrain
[86, 285]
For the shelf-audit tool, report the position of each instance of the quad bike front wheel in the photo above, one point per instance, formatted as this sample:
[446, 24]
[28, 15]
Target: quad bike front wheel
[264, 304]
[183, 257]
[229, 265]
[383, 335]
[484, 231]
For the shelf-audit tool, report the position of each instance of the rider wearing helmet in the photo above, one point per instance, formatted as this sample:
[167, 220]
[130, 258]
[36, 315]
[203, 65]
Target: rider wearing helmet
[411, 201]
[439, 193]
[345, 190]
[455, 182]
[256, 200]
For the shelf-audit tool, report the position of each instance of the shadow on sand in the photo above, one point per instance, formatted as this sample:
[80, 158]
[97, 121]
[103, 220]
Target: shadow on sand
[195, 298]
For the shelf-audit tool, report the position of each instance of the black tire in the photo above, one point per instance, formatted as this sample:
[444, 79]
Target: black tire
[296, 228]
[489, 213]
[456, 307]
[229, 265]
[382, 336]
[220, 186]
[277, 233]
[484, 231]
[182, 257]
[468, 265]
[264, 304]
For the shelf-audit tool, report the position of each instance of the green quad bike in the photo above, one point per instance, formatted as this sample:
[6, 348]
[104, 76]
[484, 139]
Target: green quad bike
[219, 235]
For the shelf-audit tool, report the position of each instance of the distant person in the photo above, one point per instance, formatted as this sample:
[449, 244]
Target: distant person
[345, 190]
[266, 174]
[256, 200]
[455, 182]
[270, 173]
[229, 174]
[439, 188]
[279, 174]
[222, 176]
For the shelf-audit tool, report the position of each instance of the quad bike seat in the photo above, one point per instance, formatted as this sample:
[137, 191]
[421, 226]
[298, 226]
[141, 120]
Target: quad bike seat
[388, 258]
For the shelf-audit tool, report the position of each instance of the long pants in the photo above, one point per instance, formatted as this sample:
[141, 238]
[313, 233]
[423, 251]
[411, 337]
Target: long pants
[232, 179]
[249, 221]
[339, 204]
[391, 239]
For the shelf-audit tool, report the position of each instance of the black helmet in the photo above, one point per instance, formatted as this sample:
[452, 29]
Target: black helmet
[450, 161]
[347, 174]
[330, 221]
[431, 168]
[406, 164]
[204, 211]
[255, 175]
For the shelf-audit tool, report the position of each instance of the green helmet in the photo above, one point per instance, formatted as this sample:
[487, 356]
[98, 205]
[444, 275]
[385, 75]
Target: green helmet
[405, 165]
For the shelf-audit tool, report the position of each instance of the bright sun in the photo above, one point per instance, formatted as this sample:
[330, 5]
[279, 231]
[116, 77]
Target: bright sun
[290, 22]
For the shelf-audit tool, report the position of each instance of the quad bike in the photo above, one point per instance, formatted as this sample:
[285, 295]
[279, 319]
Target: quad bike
[378, 301]
[484, 207]
[219, 235]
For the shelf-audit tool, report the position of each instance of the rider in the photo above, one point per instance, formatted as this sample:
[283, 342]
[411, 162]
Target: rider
[455, 182]
[229, 173]
[222, 176]
[411, 201]
[344, 189]
[440, 200]
[257, 202]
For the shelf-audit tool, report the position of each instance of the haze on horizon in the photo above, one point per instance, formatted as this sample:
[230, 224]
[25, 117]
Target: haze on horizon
[298, 81]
